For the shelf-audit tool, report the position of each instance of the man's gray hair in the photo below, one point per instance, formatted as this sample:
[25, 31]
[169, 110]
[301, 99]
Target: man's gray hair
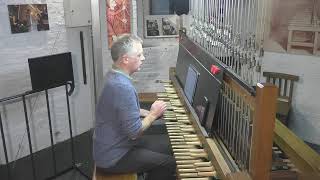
[123, 45]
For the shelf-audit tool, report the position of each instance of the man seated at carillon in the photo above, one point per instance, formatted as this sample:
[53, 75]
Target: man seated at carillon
[118, 144]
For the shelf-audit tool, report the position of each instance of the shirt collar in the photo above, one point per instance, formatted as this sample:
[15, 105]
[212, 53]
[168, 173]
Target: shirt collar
[118, 70]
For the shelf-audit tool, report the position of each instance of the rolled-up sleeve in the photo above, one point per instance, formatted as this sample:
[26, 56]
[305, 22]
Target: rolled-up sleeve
[129, 111]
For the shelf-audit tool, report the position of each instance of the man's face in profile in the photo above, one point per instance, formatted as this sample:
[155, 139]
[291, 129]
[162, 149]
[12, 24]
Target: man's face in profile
[135, 58]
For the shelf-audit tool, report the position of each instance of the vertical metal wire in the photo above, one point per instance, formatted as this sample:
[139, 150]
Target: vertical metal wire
[70, 126]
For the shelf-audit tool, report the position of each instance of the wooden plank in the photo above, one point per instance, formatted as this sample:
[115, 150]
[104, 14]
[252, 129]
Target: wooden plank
[289, 41]
[315, 48]
[304, 44]
[301, 155]
[280, 75]
[239, 89]
[296, 27]
[262, 131]
[217, 159]
[147, 97]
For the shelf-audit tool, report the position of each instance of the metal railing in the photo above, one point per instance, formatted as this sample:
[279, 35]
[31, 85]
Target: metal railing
[52, 144]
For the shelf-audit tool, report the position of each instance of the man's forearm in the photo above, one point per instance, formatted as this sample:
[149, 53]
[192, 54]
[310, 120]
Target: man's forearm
[144, 112]
[147, 121]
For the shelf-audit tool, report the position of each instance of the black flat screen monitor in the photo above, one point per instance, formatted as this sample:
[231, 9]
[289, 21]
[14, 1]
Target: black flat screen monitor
[50, 71]
[191, 83]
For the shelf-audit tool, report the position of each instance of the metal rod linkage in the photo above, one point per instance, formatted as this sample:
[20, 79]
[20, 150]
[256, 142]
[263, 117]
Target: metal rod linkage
[5, 148]
[51, 134]
[70, 126]
[29, 137]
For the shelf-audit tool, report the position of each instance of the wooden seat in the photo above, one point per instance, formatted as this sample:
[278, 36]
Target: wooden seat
[285, 84]
[97, 175]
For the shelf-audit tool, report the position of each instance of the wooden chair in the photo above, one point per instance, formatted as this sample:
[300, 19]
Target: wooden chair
[285, 84]
[97, 175]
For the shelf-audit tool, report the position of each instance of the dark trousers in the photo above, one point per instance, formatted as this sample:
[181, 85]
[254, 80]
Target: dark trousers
[151, 154]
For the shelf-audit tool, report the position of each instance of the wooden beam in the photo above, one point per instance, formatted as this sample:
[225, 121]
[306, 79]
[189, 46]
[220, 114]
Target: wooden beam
[306, 160]
[217, 159]
[262, 131]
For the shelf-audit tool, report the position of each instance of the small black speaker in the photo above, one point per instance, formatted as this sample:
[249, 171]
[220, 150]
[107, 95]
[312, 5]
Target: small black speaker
[181, 6]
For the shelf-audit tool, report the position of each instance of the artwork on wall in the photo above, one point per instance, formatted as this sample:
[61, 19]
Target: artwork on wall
[152, 27]
[118, 19]
[168, 27]
[295, 27]
[28, 17]
[161, 26]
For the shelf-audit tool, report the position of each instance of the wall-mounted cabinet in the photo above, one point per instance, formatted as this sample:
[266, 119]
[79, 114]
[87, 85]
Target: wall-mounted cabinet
[77, 13]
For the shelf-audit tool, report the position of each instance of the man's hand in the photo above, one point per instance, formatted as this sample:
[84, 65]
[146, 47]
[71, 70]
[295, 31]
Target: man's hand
[157, 108]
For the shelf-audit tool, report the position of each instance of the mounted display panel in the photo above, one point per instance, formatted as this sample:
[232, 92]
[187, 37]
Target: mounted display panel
[191, 83]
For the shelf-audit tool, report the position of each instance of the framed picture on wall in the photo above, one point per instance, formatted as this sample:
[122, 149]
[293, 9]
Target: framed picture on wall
[118, 19]
[28, 17]
[161, 26]
[152, 27]
[169, 28]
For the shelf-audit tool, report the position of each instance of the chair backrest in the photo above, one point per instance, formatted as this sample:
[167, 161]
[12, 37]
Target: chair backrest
[284, 82]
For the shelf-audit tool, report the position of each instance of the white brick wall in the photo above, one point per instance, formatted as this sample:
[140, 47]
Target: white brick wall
[305, 113]
[15, 49]
[14, 77]
[156, 67]
[160, 53]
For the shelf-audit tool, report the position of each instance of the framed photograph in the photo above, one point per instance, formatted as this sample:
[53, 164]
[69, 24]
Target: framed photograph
[153, 27]
[161, 26]
[28, 17]
[168, 27]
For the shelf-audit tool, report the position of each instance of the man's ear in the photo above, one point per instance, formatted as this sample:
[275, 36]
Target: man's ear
[125, 59]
